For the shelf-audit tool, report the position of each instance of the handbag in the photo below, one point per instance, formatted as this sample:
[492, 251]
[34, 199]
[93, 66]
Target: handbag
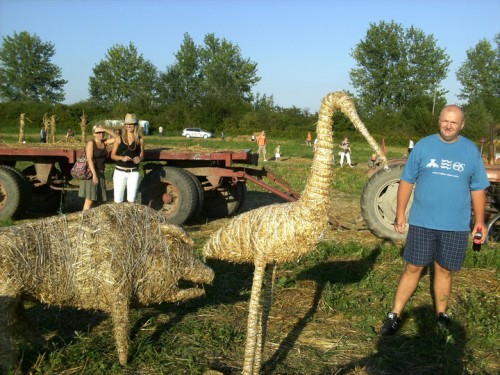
[81, 169]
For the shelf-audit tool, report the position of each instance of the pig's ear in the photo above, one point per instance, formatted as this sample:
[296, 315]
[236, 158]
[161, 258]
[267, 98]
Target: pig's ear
[170, 230]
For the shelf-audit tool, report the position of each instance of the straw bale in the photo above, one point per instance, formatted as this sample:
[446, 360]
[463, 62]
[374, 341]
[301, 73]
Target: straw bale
[101, 259]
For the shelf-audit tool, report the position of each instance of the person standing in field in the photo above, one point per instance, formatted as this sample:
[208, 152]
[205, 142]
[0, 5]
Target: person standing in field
[94, 190]
[262, 143]
[446, 173]
[411, 144]
[128, 152]
[309, 139]
[345, 152]
[277, 153]
[43, 134]
[160, 131]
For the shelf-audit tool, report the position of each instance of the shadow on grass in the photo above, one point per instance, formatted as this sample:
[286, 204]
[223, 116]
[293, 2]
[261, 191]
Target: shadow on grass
[429, 349]
[59, 324]
[338, 272]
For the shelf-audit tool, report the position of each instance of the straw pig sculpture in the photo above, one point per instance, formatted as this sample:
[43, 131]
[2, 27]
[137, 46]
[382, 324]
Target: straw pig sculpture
[99, 259]
[284, 232]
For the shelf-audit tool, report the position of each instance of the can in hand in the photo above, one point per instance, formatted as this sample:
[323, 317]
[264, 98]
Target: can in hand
[478, 236]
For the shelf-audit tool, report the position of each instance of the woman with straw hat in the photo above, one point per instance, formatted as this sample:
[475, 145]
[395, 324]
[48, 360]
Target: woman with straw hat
[128, 152]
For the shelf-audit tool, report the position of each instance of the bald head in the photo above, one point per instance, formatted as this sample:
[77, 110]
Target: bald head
[453, 108]
[451, 122]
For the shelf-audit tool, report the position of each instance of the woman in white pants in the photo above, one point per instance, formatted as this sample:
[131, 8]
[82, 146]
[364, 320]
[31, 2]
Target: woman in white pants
[345, 152]
[128, 152]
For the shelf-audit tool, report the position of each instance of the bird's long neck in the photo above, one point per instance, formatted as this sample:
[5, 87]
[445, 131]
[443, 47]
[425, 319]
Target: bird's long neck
[317, 191]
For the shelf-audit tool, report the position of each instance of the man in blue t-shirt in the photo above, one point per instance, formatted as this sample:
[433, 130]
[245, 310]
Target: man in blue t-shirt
[447, 172]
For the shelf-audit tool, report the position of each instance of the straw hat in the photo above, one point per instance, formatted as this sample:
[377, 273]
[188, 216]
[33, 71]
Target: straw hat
[130, 118]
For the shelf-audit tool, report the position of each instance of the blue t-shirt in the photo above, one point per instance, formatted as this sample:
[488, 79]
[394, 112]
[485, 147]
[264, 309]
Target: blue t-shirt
[444, 175]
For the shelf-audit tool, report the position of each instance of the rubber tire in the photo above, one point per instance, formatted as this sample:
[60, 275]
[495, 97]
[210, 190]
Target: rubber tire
[201, 197]
[378, 202]
[12, 194]
[43, 199]
[178, 183]
[224, 201]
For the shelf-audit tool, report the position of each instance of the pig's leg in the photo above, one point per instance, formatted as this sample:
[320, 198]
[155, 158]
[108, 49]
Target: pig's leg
[120, 316]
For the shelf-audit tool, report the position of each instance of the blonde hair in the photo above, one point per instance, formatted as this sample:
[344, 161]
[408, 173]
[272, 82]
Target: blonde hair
[136, 133]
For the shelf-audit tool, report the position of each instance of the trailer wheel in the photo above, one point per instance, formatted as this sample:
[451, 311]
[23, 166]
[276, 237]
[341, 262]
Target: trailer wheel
[172, 191]
[43, 199]
[12, 194]
[201, 196]
[378, 202]
[224, 201]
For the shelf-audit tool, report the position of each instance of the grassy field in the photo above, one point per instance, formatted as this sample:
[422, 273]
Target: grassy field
[327, 308]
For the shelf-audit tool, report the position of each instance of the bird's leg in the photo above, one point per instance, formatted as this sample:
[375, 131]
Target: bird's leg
[253, 318]
[267, 300]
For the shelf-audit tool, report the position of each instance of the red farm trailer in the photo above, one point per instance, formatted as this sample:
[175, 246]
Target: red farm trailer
[183, 184]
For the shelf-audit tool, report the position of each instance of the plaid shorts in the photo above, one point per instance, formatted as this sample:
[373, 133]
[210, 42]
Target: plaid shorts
[424, 245]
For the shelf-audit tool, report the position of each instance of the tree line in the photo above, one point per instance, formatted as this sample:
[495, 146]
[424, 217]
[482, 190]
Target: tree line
[397, 79]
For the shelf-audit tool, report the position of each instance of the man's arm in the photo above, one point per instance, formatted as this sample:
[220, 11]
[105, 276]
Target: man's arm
[478, 204]
[404, 192]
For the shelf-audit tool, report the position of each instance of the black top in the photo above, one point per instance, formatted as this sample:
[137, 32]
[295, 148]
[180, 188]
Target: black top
[99, 156]
[131, 150]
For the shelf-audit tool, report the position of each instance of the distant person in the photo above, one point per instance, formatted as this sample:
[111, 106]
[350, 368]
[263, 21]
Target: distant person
[309, 139]
[277, 153]
[70, 135]
[160, 131]
[128, 152]
[262, 143]
[410, 146]
[345, 152]
[445, 173]
[43, 135]
[222, 135]
[94, 190]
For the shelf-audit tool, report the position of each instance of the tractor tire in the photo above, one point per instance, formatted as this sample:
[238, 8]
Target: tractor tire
[224, 201]
[378, 202]
[172, 191]
[13, 193]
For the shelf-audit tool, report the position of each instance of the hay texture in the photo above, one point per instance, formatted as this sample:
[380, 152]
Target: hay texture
[100, 259]
[284, 232]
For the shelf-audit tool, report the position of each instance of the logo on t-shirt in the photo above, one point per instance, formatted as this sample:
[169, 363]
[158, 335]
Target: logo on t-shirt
[432, 164]
[448, 165]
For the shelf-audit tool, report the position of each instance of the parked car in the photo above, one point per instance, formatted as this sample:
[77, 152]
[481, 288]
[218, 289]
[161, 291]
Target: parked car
[196, 133]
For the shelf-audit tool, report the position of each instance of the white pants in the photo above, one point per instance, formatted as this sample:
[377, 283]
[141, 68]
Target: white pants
[347, 155]
[122, 180]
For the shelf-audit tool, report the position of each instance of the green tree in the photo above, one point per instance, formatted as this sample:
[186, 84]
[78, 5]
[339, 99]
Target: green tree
[479, 76]
[124, 77]
[26, 71]
[181, 81]
[215, 69]
[394, 65]
[224, 71]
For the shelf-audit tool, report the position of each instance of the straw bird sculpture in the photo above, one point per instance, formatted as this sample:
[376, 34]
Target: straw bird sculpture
[283, 232]
[101, 259]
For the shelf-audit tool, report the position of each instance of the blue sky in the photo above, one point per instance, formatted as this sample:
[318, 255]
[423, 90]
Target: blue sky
[302, 48]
